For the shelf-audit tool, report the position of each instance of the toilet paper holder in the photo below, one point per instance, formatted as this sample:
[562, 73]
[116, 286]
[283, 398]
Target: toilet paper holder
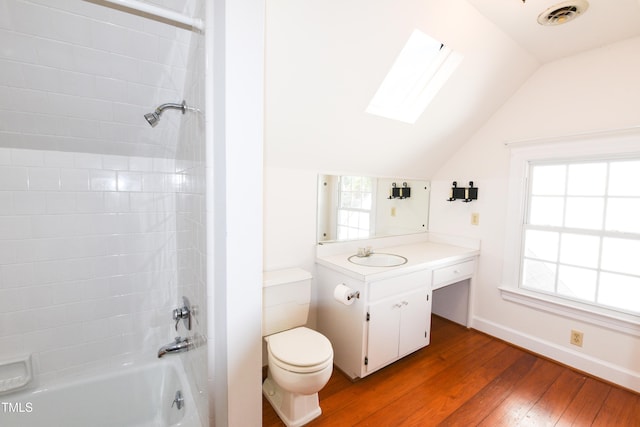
[353, 295]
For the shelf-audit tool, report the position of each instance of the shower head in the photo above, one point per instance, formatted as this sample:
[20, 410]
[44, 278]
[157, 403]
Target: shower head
[153, 118]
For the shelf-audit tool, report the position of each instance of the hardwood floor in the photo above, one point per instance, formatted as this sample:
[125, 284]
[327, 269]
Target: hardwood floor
[466, 378]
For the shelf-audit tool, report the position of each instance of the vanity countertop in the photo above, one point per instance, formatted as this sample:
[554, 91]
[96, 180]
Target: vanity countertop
[420, 256]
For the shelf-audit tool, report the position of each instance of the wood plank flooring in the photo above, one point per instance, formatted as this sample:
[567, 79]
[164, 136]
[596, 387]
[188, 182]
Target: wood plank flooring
[466, 378]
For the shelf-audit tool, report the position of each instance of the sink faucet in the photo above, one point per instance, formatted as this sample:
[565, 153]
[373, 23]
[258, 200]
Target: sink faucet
[178, 346]
[364, 252]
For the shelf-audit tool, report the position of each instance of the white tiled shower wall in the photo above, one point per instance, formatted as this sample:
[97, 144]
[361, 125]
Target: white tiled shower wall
[95, 249]
[191, 220]
[79, 76]
[88, 268]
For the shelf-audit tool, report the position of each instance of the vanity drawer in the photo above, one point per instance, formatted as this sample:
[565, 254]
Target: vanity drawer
[398, 285]
[452, 273]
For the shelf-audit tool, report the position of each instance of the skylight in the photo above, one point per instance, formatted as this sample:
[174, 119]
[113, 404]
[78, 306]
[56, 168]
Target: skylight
[422, 68]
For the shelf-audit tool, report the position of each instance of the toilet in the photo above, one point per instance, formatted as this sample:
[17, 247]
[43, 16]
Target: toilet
[300, 360]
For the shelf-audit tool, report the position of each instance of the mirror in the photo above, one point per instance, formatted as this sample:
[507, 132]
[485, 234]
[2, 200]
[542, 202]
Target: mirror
[362, 207]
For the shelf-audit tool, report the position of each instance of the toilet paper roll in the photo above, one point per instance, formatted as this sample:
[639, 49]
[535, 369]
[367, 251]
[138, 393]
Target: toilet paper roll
[344, 294]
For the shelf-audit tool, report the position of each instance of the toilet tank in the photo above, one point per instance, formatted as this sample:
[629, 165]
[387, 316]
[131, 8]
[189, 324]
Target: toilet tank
[286, 295]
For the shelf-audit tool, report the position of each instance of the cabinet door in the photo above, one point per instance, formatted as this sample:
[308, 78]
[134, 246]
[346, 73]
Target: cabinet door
[383, 337]
[415, 321]
[398, 326]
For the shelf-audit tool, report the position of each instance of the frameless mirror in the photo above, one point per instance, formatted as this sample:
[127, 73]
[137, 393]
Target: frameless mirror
[362, 207]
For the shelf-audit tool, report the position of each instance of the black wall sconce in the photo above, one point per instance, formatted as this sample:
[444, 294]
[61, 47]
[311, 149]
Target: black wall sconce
[403, 192]
[466, 194]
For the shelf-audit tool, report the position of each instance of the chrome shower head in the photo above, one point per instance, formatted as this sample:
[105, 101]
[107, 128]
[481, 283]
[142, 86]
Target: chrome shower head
[153, 118]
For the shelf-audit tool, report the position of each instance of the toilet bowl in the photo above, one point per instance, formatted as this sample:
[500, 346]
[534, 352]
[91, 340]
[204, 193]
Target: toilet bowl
[300, 360]
[300, 364]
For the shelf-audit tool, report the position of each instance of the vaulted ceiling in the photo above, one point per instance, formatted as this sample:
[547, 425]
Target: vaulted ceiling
[325, 60]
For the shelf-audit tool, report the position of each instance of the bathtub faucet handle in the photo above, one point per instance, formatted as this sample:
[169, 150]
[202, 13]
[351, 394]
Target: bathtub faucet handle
[178, 401]
[183, 313]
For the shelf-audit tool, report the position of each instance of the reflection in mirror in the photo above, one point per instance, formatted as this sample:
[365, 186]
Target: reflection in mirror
[363, 207]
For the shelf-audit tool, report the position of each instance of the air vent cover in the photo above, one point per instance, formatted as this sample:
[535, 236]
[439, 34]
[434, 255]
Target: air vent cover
[562, 13]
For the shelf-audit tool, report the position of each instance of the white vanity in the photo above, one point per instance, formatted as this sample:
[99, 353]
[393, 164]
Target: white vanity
[389, 315]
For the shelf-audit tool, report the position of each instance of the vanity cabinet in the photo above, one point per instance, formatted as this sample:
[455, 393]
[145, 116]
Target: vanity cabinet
[390, 314]
[390, 319]
[396, 327]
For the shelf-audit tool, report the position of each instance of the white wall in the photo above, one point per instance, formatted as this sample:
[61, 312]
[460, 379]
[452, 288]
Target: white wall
[235, 128]
[593, 91]
[290, 218]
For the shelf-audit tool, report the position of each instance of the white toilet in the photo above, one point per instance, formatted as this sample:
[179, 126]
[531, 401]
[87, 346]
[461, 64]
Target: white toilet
[300, 359]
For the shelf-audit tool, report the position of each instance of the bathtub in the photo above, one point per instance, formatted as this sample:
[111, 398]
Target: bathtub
[130, 397]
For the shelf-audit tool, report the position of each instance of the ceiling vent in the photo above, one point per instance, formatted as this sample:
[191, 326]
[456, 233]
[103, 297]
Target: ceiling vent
[563, 12]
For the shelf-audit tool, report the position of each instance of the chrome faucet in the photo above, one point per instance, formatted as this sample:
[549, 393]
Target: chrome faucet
[178, 346]
[364, 252]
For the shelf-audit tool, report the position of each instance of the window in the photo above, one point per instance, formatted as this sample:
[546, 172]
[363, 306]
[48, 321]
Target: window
[355, 207]
[423, 66]
[572, 235]
[581, 235]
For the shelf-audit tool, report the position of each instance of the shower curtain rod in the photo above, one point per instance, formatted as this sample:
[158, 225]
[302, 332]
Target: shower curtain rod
[152, 11]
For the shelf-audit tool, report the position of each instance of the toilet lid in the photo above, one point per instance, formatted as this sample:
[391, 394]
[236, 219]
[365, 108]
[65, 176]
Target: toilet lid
[300, 347]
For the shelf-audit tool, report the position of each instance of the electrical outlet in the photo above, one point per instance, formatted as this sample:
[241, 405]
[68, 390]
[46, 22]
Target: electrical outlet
[475, 218]
[576, 338]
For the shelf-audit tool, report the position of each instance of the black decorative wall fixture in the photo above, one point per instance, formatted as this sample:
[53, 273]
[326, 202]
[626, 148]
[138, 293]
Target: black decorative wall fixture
[403, 192]
[466, 194]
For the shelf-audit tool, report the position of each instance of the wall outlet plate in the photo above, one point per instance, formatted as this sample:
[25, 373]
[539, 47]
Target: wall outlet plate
[576, 338]
[475, 218]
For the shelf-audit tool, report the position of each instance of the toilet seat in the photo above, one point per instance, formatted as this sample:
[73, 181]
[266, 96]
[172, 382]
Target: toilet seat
[300, 350]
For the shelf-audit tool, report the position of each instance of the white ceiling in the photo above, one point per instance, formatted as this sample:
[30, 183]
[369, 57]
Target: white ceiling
[604, 22]
[325, 60]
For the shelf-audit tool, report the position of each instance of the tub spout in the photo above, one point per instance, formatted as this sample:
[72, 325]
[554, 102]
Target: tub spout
[178, 346]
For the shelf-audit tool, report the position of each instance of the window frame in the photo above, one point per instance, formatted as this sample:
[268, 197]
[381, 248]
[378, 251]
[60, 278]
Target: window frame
[370, 211]
[609, 145]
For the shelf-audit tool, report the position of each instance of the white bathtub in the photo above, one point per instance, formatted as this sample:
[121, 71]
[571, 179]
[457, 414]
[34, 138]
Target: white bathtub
[130, 397]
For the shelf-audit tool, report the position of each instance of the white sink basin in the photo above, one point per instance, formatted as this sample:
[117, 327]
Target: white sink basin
[378, 260]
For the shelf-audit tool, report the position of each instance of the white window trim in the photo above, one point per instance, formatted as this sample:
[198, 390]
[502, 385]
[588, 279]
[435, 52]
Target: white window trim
[612, 143]
[371, 212]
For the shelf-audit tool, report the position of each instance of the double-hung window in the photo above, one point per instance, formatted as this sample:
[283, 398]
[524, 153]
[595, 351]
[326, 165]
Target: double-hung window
[355, 207]
[573, 228]
[581, 235]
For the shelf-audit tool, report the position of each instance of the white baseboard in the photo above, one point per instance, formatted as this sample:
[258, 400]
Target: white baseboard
[585, 363]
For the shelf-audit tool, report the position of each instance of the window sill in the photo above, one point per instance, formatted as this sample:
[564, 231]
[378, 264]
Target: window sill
[620, 322]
